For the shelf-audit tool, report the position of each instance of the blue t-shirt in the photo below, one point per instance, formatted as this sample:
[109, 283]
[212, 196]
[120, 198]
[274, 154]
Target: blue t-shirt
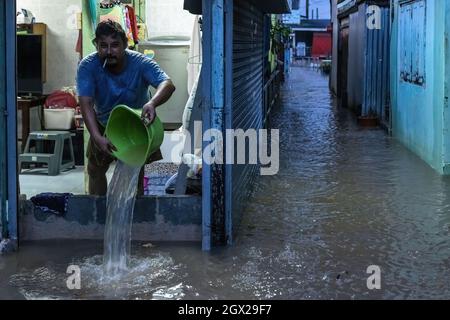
[130, 87]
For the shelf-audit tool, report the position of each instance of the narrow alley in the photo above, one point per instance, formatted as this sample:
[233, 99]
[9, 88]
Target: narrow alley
[345, 198]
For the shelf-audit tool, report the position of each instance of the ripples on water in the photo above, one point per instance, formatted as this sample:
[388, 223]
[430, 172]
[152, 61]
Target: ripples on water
[146, 278]
[345, 198]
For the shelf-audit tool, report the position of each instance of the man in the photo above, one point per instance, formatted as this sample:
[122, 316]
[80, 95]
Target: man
[115, 75]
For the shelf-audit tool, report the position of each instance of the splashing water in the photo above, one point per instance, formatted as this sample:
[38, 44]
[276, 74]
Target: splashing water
[119, 208]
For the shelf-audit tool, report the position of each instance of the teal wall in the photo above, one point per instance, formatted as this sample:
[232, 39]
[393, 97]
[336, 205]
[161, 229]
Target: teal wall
[418, 112]
[87, 30]
[446, 112]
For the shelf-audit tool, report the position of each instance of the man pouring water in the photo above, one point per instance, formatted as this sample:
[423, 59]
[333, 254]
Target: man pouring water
[113, 76]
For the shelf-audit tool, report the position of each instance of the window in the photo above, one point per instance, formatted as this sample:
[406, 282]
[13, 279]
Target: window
[295, 4]
[412, 32]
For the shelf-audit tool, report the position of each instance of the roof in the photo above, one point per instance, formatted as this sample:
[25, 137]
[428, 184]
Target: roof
[266, 6]
[345, 7]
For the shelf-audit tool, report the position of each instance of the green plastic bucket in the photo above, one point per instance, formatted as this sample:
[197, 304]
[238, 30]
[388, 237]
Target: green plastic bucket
[134, 141]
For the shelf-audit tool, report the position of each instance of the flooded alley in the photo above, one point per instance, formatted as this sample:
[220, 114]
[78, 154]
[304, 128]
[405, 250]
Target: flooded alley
[345, 198]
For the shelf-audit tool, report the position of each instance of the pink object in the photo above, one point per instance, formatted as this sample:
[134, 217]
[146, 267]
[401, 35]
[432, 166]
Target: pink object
[146, 184]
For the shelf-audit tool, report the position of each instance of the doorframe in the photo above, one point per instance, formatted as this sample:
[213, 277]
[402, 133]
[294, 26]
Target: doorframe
[213, 101]
[228, 114]
[11, 206]
[4, 171]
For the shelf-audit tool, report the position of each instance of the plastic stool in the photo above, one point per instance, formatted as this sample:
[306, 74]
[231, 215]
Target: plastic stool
[54, 161]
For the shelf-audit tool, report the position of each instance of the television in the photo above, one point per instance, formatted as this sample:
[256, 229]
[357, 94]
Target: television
[29, 65]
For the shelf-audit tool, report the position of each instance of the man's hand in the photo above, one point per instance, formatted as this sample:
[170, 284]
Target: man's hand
[148, 113]
[104, 145]
[162, 94]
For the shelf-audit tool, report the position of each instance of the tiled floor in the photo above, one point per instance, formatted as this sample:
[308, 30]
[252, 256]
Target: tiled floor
[35, 181]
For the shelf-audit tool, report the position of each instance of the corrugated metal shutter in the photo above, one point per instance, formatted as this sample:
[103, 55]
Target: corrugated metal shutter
[376, 100]
[343, 60]
[356, 44]
[247, 94]
[3, 136]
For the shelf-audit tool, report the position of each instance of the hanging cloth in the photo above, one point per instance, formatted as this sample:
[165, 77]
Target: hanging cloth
[128, 29]
[79, 45]
[93, 5]
[115, 14]
[53, 203]
[118, 13]
[133, 21]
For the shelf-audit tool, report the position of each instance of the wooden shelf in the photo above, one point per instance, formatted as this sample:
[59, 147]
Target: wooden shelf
[38, 29]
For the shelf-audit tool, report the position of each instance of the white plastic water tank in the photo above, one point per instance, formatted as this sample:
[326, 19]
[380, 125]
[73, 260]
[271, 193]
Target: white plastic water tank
[172, 54]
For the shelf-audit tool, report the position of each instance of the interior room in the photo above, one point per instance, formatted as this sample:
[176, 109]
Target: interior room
[52, 38]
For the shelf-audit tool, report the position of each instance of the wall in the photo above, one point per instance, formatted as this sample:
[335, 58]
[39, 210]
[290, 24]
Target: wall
[376, 74]
[156, 218]
[417, 112]
[356, 58]
[3, 149]
[446, 113]
[62, 35]
[88, 30]
[334, 20]
[167, 17]
[139, 6]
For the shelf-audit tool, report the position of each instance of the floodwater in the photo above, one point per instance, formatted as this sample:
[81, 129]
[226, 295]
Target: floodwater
[345, 199]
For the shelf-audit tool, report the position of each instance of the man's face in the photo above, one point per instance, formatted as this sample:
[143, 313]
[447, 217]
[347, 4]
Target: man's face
[112, 49]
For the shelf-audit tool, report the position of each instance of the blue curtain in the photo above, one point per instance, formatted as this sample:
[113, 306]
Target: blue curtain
[93, 7]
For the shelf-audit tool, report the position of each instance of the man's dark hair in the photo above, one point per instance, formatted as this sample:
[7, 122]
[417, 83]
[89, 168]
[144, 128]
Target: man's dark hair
[110, 28]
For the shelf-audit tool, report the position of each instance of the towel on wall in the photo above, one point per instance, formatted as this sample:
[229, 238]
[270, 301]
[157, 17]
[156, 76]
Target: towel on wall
[55, 203]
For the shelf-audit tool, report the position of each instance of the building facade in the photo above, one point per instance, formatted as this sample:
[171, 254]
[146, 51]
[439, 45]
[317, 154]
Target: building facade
[420, 79]
[361, 57]
[236, 92]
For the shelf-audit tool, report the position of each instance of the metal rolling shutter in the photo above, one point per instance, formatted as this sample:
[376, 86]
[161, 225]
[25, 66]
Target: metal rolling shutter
[247, 94]
[3, 136]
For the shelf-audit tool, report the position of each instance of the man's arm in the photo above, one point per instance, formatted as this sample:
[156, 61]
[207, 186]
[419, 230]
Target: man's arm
[163, 93]
[90, 119]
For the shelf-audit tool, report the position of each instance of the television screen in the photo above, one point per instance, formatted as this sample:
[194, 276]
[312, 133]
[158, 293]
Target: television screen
[29, 64]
